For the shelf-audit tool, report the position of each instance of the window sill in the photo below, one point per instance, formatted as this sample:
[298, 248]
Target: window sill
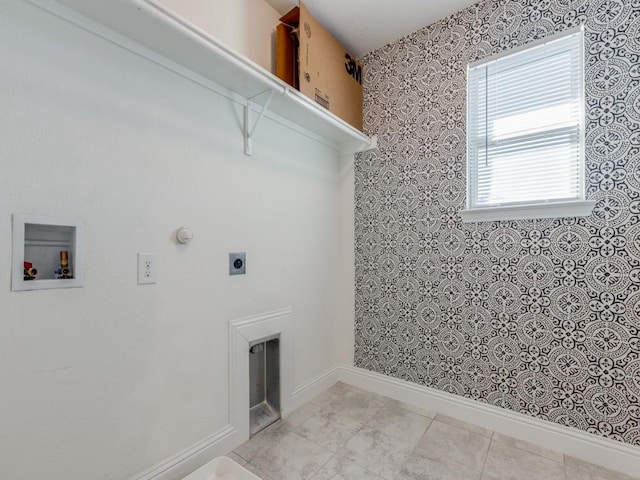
[528, 212]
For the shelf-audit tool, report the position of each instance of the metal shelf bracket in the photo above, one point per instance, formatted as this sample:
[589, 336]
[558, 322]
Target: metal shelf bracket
[249, 129]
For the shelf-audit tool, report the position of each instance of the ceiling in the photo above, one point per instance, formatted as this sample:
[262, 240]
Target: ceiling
[365, 25]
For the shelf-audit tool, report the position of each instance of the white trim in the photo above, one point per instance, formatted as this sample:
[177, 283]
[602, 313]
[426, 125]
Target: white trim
[583, 116]
[528, 212]
[193, 457]
[576, 443]
[308, 390]
[554, 37]
[242, 332]
[556, 208]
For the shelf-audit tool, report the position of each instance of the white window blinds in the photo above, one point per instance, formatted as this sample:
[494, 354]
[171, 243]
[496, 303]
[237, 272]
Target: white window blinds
[525, 126]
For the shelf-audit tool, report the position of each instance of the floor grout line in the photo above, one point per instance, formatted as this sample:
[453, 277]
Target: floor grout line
[486, 456]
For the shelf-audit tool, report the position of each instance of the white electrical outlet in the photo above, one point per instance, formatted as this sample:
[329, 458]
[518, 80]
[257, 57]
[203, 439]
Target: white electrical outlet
[147, 268]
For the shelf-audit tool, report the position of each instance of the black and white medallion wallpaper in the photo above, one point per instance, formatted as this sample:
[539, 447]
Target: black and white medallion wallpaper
[539, 316]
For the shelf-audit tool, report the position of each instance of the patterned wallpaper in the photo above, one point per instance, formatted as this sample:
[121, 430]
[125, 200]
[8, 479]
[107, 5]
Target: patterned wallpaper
[540, 317]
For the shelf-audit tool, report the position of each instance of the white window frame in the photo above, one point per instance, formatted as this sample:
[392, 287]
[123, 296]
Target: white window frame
[549, 209]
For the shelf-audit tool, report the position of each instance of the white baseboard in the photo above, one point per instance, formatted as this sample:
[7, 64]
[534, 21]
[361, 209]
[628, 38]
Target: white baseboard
[230, 437]
[313, 387]
[576, 443]
[182, 464]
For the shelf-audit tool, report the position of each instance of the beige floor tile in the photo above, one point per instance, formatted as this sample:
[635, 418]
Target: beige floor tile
[581, 470]
[399, 423]
[451, 444]
[284, 455]
[529, 447]
[462, 424]
[302, 414]
[256, 471]
[378, 452]
[506, 462]
[425, 412]
[342, 386]
[331, 430]
[347, 433]
[236, 458]
[367, 393]
[329, 395]
[262, 441]
[357, 405]
[421, 467]
[341, 468]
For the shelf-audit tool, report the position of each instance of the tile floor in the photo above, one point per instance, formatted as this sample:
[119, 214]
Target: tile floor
[350, 434]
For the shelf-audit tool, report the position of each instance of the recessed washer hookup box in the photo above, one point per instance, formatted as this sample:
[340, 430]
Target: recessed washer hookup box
[311, 60]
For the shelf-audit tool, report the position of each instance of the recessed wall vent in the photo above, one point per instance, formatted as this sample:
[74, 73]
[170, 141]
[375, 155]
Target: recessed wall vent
[264, 383]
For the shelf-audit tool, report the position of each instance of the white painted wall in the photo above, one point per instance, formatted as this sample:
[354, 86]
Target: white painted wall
[105, 381]
[247, 26]
[344, 321]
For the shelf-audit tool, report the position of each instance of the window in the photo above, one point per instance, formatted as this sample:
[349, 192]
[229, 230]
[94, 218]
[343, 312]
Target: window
[525, 133]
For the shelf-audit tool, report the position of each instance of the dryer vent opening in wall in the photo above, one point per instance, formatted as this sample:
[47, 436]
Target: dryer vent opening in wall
[264, 383]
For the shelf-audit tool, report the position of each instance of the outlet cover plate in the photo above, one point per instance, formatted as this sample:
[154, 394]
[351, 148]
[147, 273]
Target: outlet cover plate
[237, 263]
[147, 268]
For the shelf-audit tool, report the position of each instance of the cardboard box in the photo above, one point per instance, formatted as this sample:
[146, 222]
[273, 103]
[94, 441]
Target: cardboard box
[311, 60]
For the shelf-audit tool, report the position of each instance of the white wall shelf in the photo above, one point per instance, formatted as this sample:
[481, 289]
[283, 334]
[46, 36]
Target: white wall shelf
[147, 29]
